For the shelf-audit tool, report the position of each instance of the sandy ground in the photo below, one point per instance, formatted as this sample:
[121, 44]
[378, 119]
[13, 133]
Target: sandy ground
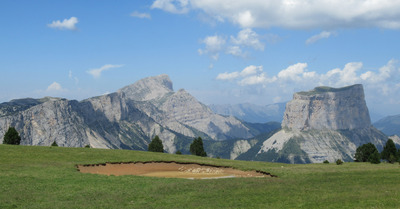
[168, 169]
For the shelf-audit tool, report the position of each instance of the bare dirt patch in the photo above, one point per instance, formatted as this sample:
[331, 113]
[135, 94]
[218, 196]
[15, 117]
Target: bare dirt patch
[169, 170]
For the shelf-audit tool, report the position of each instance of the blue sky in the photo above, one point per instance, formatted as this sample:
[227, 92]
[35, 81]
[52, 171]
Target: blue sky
[222, 51]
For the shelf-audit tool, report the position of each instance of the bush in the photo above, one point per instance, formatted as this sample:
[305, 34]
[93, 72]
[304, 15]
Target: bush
[54, 144]
[326, 161]
[87, 146]
[11, 137]
[156, 145]
[339, 162]
[196, 148]
[178, 152]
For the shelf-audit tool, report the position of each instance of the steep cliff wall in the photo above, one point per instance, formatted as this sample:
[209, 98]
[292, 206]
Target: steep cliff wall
[328, 108]
[126, 119]
[322, 124]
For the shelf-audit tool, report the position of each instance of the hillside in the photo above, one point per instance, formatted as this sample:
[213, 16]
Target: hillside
[251, 112]
[389, 125]
[46, 177]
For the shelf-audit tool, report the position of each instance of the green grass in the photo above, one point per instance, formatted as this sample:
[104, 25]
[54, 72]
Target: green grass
[46, 177]
[323, 89]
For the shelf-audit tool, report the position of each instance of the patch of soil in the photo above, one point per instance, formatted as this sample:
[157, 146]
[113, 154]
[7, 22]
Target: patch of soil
[169, 170]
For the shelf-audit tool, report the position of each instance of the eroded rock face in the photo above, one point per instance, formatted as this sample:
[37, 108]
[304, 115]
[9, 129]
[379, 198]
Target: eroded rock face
[127, 119]
[322, 124]
[328, 108]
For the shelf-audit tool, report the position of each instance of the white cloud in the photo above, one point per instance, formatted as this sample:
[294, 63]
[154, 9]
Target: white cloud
[66, 24]
[54, 87]
[213, 45]
[96, 73]
[216, 44]
[141, 15]
[249, 38]
[294, 14]
[297, 76]
[382, 86]
[235, 51]
[172, 6]
[315, 38]
[248, 73]
[251, 70]
[254, 79]
[70, 76]
[293, 73]
[227, 76]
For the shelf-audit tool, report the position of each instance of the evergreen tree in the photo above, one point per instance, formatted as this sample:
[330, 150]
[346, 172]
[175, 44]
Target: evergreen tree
[12, 137]
[54, 144]
[374, 158]
[196, 148]
[364, 152]
[156, 145]
[389, 152]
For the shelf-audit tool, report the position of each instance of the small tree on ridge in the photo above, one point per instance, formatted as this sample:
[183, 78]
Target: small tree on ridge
[156, 145]
[196, 148]
[389, 152]
[12, 137]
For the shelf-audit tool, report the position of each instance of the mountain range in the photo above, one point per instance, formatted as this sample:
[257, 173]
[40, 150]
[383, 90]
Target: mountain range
[251, 112]
[322, 124]
[126, 119]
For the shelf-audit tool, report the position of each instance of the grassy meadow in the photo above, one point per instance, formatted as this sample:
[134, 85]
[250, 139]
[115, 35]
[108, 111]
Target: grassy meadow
[46, 177]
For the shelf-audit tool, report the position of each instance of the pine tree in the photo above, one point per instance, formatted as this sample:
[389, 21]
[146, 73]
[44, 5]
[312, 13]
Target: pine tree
[11, 137]
[364, 152]
[54, 144]
[374, 158]
[196, 148]
[389, 152]
[156, 145]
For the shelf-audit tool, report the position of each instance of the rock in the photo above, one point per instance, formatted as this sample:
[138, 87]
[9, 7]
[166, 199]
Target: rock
[126, 119]
[322, 124]
[328, 108]
[389, 125]
[251, 112]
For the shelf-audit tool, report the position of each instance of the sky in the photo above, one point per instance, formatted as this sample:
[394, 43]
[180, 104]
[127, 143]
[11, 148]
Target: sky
[220, 51]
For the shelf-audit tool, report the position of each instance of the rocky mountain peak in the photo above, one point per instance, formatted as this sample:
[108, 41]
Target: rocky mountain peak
[328, 108]
[150, 88]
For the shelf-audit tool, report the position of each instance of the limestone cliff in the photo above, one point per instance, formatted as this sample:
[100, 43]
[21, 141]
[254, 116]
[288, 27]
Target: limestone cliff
[322, 124]
[126, 119]
[328, 108]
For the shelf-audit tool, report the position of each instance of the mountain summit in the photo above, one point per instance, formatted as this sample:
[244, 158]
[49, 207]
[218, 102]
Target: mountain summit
[322, 124]
[328, 108]
[128, 119]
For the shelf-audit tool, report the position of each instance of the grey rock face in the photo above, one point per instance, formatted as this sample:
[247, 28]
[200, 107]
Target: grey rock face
[252, 113]
[126, 119]
[323, 124]
[328, 108]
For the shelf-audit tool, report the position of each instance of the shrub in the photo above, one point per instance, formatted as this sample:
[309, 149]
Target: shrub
[11, 137]
[339, 162]
[156, 145]
[178, 152]
[87, 146]
[54, 144]
[326, 161]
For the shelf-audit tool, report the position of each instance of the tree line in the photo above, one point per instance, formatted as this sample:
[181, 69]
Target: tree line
[369, 153]
[196, 147]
